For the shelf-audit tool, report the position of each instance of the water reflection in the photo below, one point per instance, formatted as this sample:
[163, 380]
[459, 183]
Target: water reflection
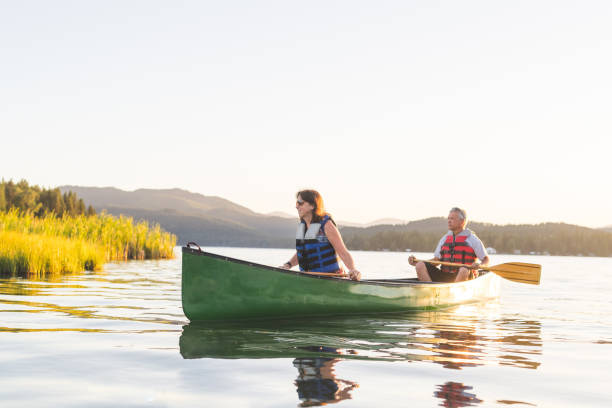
[444, 338]
[35, 277]
[454, 339]
[89, 302]
[457, 347]
[455, 395]
[317, 383]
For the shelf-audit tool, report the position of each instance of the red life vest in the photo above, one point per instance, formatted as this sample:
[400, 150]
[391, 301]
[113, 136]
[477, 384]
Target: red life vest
[456, 250]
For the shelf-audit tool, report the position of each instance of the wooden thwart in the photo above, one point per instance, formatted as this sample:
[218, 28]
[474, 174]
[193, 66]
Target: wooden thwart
[514, 271]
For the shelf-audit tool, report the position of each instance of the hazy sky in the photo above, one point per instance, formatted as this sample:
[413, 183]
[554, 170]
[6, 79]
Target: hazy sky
[389, 108]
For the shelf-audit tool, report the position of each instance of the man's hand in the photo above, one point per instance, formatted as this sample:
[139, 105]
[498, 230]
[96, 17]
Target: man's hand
[412, 260]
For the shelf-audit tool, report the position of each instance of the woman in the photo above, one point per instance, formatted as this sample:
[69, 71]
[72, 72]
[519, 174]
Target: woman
[318, 242]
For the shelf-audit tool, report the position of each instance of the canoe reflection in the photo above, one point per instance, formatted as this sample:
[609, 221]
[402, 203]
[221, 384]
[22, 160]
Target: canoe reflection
[452, 340]
[456, 346]
[278, 339]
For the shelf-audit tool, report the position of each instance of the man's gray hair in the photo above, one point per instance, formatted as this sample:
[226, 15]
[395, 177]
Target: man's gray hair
[460, 211]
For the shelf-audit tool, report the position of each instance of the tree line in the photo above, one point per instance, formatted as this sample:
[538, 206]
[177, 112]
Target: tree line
[40, 201]
[546, 238]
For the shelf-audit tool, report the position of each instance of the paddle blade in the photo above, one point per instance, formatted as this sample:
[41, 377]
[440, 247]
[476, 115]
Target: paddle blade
[519, 272]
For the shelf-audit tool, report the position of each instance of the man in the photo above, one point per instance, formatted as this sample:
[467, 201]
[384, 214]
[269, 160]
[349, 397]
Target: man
[459, 245]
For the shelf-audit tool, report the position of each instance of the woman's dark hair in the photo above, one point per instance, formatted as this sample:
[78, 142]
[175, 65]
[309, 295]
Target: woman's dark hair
[314, 198]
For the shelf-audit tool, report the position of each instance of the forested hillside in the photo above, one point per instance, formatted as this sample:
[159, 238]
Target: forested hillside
[423, 236]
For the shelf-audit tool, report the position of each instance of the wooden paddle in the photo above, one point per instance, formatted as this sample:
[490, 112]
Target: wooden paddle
[340, 275]
[514, 271]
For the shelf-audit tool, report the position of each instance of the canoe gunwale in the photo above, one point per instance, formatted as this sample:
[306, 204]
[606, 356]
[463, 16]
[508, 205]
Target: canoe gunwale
[377, 282]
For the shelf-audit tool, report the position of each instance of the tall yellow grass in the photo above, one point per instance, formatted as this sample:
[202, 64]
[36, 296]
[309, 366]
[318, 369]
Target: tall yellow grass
[39, 255]
[51, 244]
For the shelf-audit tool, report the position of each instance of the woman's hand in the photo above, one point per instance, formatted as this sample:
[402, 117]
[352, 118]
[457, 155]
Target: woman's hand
[289, 264]
[412, 260]
[354, 274]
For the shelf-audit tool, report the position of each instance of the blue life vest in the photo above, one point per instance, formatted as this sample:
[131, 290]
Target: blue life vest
[314, 251]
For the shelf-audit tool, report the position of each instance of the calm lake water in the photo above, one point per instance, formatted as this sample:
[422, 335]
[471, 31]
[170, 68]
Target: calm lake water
[119, 338]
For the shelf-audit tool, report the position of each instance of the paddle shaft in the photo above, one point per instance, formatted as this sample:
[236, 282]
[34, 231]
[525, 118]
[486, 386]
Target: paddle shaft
[326, 274]
[514, 271]
[450, 264]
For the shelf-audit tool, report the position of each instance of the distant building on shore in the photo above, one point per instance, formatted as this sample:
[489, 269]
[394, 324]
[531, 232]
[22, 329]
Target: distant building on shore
[491, 250]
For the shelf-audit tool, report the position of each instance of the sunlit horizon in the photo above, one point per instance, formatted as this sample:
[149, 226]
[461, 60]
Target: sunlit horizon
[359, 222]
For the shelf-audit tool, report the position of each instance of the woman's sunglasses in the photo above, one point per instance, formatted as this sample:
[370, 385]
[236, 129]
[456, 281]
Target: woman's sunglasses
[300, 202]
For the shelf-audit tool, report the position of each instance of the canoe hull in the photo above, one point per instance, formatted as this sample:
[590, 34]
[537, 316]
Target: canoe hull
[216, 287]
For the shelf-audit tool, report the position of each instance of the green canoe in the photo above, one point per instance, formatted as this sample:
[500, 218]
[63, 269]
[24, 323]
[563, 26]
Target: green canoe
[216, 287]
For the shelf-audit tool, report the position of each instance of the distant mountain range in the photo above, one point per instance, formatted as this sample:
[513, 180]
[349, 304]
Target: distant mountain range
[215, 221]
[207, 220]
[382, 221]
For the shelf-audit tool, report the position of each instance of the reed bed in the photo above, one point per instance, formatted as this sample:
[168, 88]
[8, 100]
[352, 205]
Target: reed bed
[52, 244]
[39, 255]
